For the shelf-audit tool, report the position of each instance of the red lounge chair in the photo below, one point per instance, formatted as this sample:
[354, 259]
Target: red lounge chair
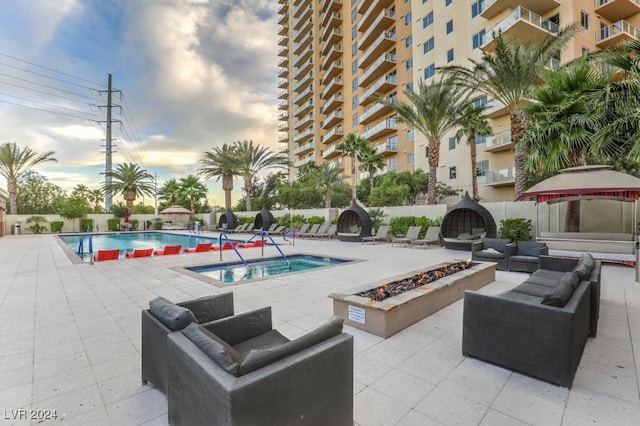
[140, 253]
[256, 243]
[168, 250]
[107, 255]
[200, 247]
[226, 246]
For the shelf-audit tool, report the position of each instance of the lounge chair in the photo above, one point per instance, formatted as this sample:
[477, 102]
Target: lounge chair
[381, 235]
[228, 245]
[256, 243]
[322, 230]
[412, 234]
[331, 232]
[311, 232]
[432, 236]
[279, 230]
[175, 249]
[146, 252]
[107, 255]
[304, 228]
[199, 248]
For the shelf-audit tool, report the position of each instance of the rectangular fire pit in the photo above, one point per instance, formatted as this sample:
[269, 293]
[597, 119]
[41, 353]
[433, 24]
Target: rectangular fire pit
[389, 316]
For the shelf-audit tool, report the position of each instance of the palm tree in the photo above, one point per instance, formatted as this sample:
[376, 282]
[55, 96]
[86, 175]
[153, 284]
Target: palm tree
[193, 190]
[81, 191]
[508, 75]
[96, 197]
[371, 161]
[562, 123]
[129, 180]
[434, 110]
[325, 176]
[221, 163]
[252, 159]
[351, 147]
[169, 192]
[15, 162]
[473, 122]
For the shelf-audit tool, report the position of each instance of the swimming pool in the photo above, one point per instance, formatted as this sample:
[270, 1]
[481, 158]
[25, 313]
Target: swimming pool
[262, 268]
[129, 241]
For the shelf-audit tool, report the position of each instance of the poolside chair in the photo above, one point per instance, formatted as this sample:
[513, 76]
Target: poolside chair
[304, 228]
[432, 236]
[256, 243]
[199, 248]
[146, 252]
[175, 249]
[107, 255]
[381, 235]
[322, 230]
[412, 234]
[279, 230]
[239, 229]
[331, 232]
[228, 245]
[311, 232]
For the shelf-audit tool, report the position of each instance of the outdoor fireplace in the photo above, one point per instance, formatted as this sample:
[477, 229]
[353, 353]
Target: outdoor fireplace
[389, 306]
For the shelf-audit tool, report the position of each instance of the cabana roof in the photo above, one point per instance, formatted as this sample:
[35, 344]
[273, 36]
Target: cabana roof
[585, 182]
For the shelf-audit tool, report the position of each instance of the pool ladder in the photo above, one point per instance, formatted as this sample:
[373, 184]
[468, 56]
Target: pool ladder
[263, 233]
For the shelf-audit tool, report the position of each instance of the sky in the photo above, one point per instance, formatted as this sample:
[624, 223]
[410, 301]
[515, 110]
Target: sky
[191, 75]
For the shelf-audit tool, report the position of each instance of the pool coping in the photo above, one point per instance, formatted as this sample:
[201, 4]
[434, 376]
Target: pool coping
[223, 284]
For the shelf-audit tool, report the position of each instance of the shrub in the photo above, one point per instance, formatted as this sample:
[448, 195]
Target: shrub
[516, 229]
[56, 225]
[400, 224]
[157, 223]
[315, 220]
[86, 225]
[376, 214]
[113, 224]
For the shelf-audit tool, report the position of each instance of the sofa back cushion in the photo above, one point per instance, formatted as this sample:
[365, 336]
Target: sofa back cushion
[585, 265]
[560, 294]
[529, 248]
[216, 348]
[498, 244]
[259, 358]
[173, 316]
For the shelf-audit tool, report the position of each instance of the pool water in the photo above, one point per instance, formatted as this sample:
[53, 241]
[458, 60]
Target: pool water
[129, 241]
[261, 268]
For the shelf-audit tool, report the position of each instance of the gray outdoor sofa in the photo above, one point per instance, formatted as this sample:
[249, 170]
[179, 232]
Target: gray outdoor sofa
[239, 371]
[540, 327]
[163, 318]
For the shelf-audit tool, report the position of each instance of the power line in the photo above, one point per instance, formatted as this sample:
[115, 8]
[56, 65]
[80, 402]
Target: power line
[49, 69]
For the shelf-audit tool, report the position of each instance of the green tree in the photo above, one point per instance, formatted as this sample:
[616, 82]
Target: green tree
[252, 159]
[36, 195]
[371, 161]
[473, 122]
[14, 162]
[169, 192]
[96, 197]
[325, 177]
[73, 208]
[37, 220]
[433, 110]
[389, 192]
[221, 163]
[131, 181]
[192, 190]
[351, 147]
[417, 182]
[508, 75]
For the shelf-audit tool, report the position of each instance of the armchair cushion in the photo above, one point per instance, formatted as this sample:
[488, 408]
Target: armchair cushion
[217, 349]
[173, 316]
[499, 244]
[529, 248]
[585, 265]
[561, 293]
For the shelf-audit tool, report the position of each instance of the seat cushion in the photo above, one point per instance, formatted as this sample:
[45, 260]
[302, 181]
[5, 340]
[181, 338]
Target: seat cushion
[532, 289]
[259, 358]
[548, 273]
[490, 254]
[585, 265]
[560, 294]
[521, 297]
[173, 316]
[270, 339]
[217, 349]
[499, 244]
[524, 259]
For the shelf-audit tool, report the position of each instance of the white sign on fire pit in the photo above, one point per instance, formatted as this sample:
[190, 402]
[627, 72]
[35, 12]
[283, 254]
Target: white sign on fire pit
[356, 314]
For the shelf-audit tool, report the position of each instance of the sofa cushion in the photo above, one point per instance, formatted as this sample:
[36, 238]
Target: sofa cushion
[532, 289]
[216, 348]
[571, 278]
[173, 316]
[585, 265]
[466, 236]
[560, 294]
[499, 244]
[259, 358]
[545, 281]
[524, 259]
[491, 253]
[270, 339]
[521, 297]
[548, 273]
[529, 248]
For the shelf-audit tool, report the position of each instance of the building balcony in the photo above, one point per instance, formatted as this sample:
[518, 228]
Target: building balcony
[502, 177]
[331, 20]
[283, 83]
[521, 24]
[283, 105]
[302, 13]
[283, 18]
[499, 142]
[333, 37]
[494, 108]
[331, 152]
[373, 6]
[616, 33]
[330, 6]
[381, 86]
[381, 65]
[374, 112]
[383, 43]
[283, 138]
[381, 129]
[303, 122]
[302, 39]
[304, 108]
[283, 62]
[303, 149]
[385, 19]
[303, 35]
[332, 135]
[491, 8]
[387, 148]
[305, 68]
[283, 72]
[615, 10]
[283, 41]
[332, 119]
[283, 116]
[283, 51]
[303, 56]
[333, 86]
[283, 94]
[283, 8]
[282, 1]
[334, 70]
[301, 162]
[302, 136]
[334, 54]
[283, 127]
[283, 29]
[303, 96]
[283, 149]
[338, 163]
[332, 103]
[304, 82]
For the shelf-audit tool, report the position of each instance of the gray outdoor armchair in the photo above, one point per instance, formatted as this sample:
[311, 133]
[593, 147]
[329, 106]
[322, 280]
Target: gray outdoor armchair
[239, 371]
[493, 250]
[164, 318]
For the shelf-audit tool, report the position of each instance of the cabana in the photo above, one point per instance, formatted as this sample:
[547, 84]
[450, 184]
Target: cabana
[354, 223]
[227, 220]
[264, 219]
[466, 222]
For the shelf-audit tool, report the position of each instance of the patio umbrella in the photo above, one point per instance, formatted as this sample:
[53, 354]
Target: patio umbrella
[176, 210]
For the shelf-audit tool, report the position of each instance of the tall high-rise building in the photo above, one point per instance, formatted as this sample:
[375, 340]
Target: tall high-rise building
[335, 54]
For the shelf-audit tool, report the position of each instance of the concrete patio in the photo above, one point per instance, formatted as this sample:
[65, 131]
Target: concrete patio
[71, 341]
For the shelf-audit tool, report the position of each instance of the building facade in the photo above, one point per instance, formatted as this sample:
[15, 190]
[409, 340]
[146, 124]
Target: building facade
[336, 54]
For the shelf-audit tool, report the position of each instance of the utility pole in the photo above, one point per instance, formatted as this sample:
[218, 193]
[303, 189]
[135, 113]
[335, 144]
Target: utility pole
[108, 144]
[155, 192]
